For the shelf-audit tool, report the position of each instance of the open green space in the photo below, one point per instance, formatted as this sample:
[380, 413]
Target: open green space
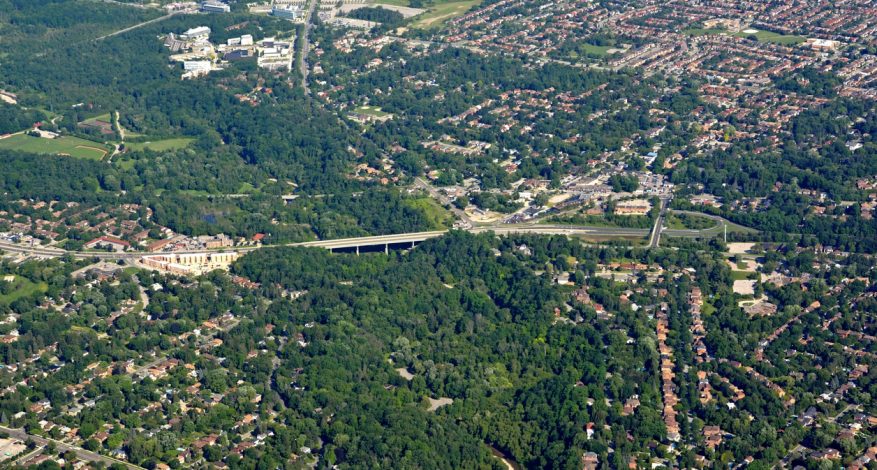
[689, 222]
[589, 50]
[371, 110]
[775, 38]
[161, 145]
[20, 287]
[407, 3]
[763, 36]
[398, 3]
[65, 145]
[742, 275]
[436, 16]
[437, 216]
[103, 117]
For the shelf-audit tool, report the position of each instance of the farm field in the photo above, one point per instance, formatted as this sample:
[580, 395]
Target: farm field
[66, 145]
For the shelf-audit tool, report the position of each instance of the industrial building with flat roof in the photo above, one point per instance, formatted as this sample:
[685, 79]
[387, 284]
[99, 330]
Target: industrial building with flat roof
[215, 7]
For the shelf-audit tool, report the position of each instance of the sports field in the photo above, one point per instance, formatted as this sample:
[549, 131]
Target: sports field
[66, 145]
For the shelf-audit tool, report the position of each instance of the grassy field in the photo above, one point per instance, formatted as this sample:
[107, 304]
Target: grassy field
[436, 16]
[591, 49]
[687, 221]
[71, 146]
[161, 145]
[103, 117]
[21, 287]
[742, 275]
[437, 215]
[763, 36]
[371, 110]
[775, 38]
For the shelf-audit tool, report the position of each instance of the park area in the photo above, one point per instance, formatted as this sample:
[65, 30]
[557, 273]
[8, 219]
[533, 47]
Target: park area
[761, 36]
[64, 146]
[438, 14]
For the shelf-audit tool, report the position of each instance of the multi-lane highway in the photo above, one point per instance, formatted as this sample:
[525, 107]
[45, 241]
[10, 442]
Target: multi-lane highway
[347, 243]
[654, 236]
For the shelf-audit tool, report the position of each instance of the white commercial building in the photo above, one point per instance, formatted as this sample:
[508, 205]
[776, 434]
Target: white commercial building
[196, 34]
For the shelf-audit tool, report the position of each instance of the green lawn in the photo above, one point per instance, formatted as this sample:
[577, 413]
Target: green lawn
[126, 165]
[436, 16]
[595, 50]
[103, 117]
[407, 3]
[66, 145]
[776, 38]
[763, 36]
[161, 145]
[371, 110]
[689, 222]
[21, 287]
[741, 275]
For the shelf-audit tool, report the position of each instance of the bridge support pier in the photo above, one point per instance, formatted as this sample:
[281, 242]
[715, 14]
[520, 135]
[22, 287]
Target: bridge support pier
[387, 249]
[357, 250]
[412, 245]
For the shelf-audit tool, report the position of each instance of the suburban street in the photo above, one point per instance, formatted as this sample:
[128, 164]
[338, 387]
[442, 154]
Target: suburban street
[80, 452]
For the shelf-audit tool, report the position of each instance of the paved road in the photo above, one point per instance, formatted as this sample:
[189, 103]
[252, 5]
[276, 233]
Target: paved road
[655, 237]
[126, 4]
[306, 46]
[61, 446]
[138, 25]
[346, 242]
[442, 199]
